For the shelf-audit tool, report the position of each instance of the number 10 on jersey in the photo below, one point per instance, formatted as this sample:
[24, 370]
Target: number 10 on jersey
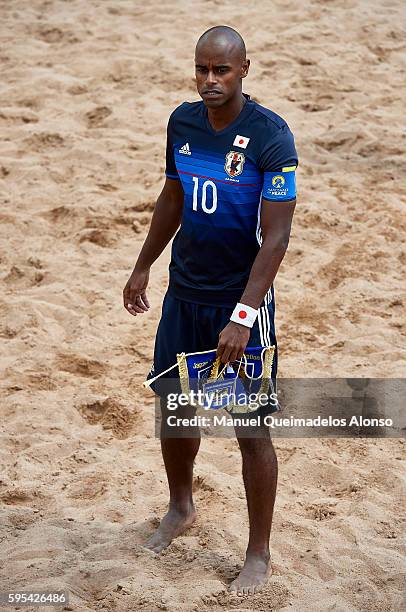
[207, 209]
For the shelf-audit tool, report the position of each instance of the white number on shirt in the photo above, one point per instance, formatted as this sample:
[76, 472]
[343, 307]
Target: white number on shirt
[213, 206]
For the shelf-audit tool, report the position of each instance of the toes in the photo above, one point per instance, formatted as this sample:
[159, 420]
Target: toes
[241, 591]
[154, 547]
[158, 548]
[150, 550]
[235, 588]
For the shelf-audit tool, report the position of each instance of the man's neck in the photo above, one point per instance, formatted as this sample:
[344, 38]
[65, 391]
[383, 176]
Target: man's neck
[220, 118]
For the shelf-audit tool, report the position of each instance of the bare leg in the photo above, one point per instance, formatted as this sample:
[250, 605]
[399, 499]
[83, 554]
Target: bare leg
[178, 455]
[260, 474]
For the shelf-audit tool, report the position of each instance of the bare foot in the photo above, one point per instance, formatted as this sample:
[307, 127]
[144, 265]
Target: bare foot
[173, 524]
[253, 576]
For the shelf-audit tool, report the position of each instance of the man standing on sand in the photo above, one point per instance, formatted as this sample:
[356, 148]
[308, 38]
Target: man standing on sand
[230, 193]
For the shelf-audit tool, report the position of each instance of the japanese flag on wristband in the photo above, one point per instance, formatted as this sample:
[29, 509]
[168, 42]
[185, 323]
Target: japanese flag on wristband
[245, 315]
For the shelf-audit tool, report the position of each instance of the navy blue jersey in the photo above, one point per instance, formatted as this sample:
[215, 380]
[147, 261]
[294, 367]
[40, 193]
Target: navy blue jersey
[224, 174]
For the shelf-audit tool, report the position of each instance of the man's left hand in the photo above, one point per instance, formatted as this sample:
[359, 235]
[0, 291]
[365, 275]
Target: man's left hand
[233, 341]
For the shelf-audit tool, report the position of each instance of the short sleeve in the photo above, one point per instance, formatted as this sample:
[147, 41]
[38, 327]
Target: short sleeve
[170, 170]
[278, 162]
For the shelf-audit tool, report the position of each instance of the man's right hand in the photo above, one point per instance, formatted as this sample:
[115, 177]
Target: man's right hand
[134, 294]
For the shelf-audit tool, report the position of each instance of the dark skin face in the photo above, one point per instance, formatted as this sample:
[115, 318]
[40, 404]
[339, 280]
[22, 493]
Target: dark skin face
[219, 68]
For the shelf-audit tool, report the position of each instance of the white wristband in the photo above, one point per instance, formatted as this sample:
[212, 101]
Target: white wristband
[245, 315]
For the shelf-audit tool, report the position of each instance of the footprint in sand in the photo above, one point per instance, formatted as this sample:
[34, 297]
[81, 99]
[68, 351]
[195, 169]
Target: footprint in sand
[15, 497]
[199, 483]
[40, 141]
[99, 237]
[96, 116]
[146, 205]
[90, 486]
[54, 35]
[81, 366]
[18, 117]
[315, 107]
[65, 219]
[23, 277]
[20, 496]
[321, 512]
[50, 35]
[110, 414]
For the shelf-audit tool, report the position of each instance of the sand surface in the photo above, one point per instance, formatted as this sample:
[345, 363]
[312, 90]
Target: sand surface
[85, 94]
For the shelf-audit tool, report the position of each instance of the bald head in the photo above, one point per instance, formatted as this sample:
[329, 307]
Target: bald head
[220, 66]
[225, 39]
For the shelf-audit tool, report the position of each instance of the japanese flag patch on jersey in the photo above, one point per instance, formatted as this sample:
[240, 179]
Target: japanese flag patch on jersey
[241, 141]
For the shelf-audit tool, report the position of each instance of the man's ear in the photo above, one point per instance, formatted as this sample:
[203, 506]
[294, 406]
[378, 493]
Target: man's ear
[244, 68]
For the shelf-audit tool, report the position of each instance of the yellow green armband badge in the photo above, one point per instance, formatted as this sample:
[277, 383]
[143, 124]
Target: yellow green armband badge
[280, 186]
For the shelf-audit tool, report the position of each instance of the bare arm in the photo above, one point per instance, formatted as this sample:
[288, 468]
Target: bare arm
[164, 223]
[276, 221]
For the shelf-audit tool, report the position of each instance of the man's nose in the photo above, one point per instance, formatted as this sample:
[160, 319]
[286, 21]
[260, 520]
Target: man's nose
[211, 78]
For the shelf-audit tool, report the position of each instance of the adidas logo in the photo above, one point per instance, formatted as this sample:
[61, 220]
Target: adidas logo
[185, 149]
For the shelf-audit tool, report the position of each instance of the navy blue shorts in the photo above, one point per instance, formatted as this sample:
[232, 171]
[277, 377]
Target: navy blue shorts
[187, 327]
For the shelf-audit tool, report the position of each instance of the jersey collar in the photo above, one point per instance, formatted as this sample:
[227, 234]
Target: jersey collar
[245, 111]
